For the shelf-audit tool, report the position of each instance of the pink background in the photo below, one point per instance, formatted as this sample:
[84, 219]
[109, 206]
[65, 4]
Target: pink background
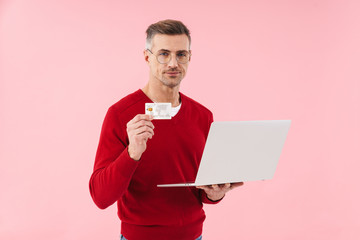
[63, 63]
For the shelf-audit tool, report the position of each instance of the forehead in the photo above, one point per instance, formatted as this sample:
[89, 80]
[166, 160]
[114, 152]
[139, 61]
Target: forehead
[170, 42]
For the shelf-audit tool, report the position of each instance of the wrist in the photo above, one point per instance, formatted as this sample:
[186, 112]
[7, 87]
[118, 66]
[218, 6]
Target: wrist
[132, 155]
[215, 199]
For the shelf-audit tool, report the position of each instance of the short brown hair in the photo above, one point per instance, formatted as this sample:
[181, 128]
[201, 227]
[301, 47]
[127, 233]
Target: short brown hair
[169, 27]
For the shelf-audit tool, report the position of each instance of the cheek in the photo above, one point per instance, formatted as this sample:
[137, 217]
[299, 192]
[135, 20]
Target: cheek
[156, 70]
[160, 70]
[184, 69]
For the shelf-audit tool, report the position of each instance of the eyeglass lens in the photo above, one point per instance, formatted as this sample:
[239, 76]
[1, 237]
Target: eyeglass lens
[165, 57]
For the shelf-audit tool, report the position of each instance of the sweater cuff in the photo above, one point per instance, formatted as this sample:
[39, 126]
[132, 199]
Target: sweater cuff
[205, 199]
[126, 165]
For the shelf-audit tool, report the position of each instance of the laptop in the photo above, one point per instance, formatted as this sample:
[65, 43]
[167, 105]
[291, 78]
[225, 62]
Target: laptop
[239, 151]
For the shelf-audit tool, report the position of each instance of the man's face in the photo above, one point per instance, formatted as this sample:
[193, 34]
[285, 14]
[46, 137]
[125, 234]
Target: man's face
[169, 74]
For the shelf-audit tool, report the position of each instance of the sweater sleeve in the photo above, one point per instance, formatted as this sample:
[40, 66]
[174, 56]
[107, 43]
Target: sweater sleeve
[113, 168]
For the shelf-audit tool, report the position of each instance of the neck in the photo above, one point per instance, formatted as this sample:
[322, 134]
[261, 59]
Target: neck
[162, 94]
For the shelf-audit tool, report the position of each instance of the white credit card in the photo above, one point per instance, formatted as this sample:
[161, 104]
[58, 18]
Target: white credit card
[158, 110]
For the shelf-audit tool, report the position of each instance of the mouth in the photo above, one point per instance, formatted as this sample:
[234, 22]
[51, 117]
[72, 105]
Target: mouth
[172, 73]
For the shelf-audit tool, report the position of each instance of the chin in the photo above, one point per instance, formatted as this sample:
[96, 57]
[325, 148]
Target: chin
[171, 84]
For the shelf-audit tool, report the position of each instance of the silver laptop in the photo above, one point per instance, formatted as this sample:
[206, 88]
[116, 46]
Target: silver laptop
[240, 151]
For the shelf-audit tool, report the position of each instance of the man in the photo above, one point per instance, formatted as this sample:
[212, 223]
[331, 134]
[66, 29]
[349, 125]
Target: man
[136, 152]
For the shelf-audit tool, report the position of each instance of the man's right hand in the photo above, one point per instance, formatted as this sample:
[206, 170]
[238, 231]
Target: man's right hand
[139, 130]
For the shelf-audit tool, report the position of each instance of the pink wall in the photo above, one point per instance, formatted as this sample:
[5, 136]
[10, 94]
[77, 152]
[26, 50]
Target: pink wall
[63, 63]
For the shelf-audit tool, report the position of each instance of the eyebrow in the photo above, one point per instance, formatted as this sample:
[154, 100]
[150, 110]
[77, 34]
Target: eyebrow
[166, 50]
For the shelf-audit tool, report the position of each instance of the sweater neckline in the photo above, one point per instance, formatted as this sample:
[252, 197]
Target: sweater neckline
[178, 116]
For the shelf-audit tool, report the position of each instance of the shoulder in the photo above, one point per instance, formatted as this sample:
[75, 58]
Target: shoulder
[196, 104]
[197, 107]
[127, 102]
[123, 111]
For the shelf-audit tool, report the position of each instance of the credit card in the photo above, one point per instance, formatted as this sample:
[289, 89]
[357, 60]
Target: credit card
[158, 110]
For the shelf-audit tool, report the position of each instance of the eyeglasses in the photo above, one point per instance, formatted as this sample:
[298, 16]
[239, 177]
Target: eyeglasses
[164, 56]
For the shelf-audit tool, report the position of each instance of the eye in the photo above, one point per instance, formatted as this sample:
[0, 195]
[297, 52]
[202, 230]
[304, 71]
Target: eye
[183, 54]
[163, 54]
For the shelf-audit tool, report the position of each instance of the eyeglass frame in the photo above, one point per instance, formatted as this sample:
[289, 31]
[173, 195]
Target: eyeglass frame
[171, 57]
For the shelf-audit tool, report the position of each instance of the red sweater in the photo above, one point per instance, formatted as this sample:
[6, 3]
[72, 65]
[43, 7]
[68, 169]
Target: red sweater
[172, 156]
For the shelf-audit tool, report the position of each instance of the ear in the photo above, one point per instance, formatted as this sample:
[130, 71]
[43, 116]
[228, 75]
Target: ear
[190, 55]
[146, 56]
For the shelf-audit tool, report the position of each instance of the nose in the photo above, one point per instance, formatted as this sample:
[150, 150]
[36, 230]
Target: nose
[173, 62]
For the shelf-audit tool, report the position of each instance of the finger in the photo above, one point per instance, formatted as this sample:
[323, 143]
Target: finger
[131, 125]
[149, 136]
[140, 123]
[144, 129]
[142, 138]
[145, 136]
[134, 119]
[205, 188]
[140, 117]
[146, 117]
[235, 185]
[224, 185]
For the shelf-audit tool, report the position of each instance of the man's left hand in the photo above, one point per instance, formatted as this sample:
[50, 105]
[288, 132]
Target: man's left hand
[216, 192]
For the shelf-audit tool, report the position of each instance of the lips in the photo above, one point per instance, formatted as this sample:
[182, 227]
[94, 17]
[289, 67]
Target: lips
[172, 73]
